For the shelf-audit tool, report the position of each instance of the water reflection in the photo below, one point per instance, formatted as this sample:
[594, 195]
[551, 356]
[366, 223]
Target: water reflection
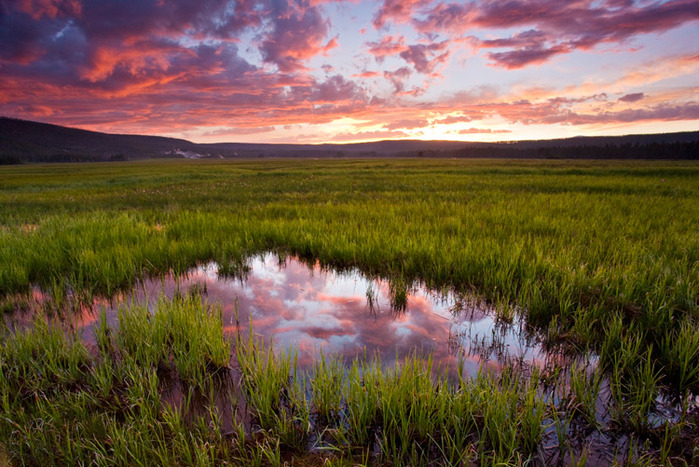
[309, 308]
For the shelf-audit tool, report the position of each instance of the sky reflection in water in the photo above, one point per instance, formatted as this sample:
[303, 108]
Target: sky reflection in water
[310, 309]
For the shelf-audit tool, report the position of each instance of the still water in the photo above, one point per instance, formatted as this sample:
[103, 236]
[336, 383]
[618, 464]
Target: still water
[308, 308]
[303, 306]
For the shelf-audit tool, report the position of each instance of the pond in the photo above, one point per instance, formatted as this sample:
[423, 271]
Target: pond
[310, 308]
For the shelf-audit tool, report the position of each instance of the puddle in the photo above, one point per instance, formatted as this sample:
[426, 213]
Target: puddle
[309, 308]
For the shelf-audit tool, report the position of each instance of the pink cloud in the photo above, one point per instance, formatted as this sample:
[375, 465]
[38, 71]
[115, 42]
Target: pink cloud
[527, 56]
[367, 74]
[475, 131]
[453, 119]
[369, 135]
[166, 67]
[425, 58]
[570, 26]
[406, 124]
[551, 112]
[689, 111]
[556, 27]
[530, 38]
[398, 78]
[49, 8]
[600, 97]
[387, 46]
[296, 36]
[589, 23]
[633, 97]
[336, 88]
[445, 17]
[398, 11]
[239, 131]
[318, 332]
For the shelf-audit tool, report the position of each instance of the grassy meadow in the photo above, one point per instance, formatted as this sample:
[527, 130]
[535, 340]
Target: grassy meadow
[601, 257]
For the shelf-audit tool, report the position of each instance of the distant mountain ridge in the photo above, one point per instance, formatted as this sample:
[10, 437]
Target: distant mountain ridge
[28, 141]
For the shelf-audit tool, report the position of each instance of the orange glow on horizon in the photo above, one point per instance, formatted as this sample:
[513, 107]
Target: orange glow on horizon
[335, 72]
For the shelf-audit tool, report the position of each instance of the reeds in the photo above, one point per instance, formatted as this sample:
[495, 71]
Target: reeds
[600, 257]
[409, 414]
[60, 405]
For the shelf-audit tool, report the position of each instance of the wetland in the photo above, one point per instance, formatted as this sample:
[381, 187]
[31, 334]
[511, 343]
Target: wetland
[375, 312]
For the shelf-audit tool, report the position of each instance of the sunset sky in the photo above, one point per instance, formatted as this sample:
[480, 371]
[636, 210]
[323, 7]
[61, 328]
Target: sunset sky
[314, 71]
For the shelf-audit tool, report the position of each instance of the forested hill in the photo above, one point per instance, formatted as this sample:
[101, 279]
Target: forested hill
[27, 141]
[40, 142]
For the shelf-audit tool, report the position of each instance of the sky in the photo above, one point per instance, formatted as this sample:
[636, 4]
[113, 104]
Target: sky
[325, 71]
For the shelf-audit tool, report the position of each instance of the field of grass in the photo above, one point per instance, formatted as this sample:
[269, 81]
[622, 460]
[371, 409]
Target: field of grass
[600, 256]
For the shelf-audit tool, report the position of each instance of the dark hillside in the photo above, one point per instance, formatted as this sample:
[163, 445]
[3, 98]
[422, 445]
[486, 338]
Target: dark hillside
[26, 141]
[41, 142]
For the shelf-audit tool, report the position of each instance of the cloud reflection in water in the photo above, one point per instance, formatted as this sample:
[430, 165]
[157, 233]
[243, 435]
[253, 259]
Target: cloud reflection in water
[308, 308]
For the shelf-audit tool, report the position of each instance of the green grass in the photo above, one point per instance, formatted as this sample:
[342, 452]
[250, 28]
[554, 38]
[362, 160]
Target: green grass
[601, 256]
[62, 405]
